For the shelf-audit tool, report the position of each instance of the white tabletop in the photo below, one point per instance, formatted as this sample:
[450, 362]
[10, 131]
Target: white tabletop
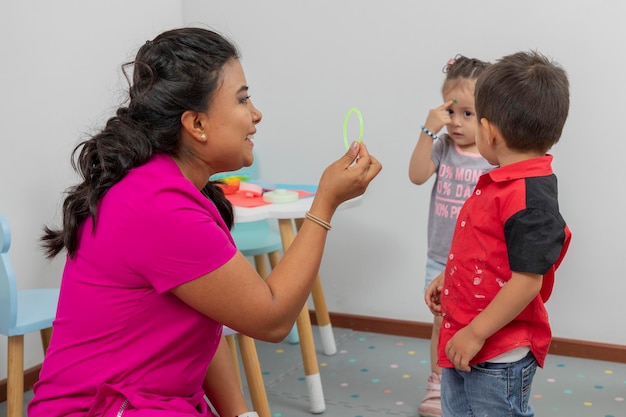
[295, 210]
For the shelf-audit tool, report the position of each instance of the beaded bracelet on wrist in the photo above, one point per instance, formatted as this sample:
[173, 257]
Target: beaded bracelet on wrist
[428, 132]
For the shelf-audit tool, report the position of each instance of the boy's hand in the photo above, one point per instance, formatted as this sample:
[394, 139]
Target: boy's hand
[510, 301]
[439, 117]
[462, 347]
[432, 297]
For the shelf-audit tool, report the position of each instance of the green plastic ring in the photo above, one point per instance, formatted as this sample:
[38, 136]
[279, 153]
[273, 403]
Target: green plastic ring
[345, 126]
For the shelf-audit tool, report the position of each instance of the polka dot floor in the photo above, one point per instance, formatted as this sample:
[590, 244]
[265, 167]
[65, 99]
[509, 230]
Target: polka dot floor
[381, 375]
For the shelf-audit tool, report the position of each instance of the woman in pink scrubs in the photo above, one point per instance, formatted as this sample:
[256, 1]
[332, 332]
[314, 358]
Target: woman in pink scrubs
[152, 272]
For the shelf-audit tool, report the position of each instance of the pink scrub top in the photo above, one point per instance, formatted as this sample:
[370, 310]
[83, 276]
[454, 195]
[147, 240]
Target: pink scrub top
[120, 338]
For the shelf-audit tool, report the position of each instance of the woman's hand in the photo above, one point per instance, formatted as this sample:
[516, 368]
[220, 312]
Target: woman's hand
[344, 179]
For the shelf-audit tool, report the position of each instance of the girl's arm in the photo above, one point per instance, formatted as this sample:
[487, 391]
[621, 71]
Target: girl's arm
[421, 166]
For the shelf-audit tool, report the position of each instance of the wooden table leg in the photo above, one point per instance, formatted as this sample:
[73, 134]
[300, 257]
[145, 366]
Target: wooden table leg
[274, 258]
[254, 376]
[307, 345]
[321, 312]
[15, 376]
[232, 346]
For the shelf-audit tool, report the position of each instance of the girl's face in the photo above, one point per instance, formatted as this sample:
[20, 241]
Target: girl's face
[230, 122]
[462, 128]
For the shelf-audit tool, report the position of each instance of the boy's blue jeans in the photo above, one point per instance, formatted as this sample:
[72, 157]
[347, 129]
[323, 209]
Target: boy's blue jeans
[490, 389]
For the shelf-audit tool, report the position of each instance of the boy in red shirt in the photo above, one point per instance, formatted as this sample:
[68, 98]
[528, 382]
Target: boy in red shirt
[508, 240]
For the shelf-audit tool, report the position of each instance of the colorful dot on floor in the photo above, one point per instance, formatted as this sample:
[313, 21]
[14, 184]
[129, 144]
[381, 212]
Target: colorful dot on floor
[323, 364]
[279, 350]
[352, 360]
[411, 352]
[598, 386]
[364, 369]
[580, 376]
[355, 395]
[551, 380]
[406, 376]
[560, 365]
[587, 403]
[620, 399]
[608, 372]
[302, 378]
[393, 365]
[343, 351]
[537, 396]
[265, 372]
[371, 347]
[277, 415]
[424, 361]
[362, 339]
[399, 402]
[568, 392]
[375, 380]
[343, 384]
[400, 344]
[387, 391]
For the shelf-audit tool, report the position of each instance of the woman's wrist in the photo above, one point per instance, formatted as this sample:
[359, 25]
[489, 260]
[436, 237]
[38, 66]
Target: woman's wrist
[323, 223]
[321, 209]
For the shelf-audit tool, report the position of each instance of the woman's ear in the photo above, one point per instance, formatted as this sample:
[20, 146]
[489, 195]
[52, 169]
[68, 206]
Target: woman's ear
[194, 124]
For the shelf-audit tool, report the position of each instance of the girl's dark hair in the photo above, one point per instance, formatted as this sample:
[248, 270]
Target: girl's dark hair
[462, 68]
[177, 71]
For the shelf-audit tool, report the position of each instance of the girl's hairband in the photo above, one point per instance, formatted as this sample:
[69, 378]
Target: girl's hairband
[450, 62]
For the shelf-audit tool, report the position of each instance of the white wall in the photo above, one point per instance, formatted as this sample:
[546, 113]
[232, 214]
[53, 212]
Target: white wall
[307, 64]
[60, 78]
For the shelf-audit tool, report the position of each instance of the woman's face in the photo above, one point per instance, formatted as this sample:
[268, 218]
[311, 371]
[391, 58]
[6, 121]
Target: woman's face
[230, 122]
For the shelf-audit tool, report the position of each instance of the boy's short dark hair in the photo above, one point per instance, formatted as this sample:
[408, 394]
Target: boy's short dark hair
[526, 96]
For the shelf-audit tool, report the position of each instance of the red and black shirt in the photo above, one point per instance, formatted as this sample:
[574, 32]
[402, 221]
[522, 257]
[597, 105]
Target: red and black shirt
[510, 223]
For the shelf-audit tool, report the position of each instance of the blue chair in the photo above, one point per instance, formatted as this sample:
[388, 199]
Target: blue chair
[258, 239]
[21, 312]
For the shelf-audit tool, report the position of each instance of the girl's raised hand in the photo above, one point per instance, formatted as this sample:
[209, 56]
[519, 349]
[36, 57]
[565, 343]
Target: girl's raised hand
[439, 117]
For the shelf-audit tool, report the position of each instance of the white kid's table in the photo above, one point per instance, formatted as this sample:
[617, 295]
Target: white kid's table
[287, 214]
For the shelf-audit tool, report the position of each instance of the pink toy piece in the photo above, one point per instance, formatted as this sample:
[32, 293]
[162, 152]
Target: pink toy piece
[250, 190]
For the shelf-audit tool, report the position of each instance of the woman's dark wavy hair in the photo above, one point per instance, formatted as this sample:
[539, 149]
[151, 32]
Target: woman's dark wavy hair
[179, 70]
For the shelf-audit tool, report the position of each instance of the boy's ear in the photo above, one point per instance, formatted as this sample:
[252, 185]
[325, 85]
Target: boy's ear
[492, 131]
[194, 124]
